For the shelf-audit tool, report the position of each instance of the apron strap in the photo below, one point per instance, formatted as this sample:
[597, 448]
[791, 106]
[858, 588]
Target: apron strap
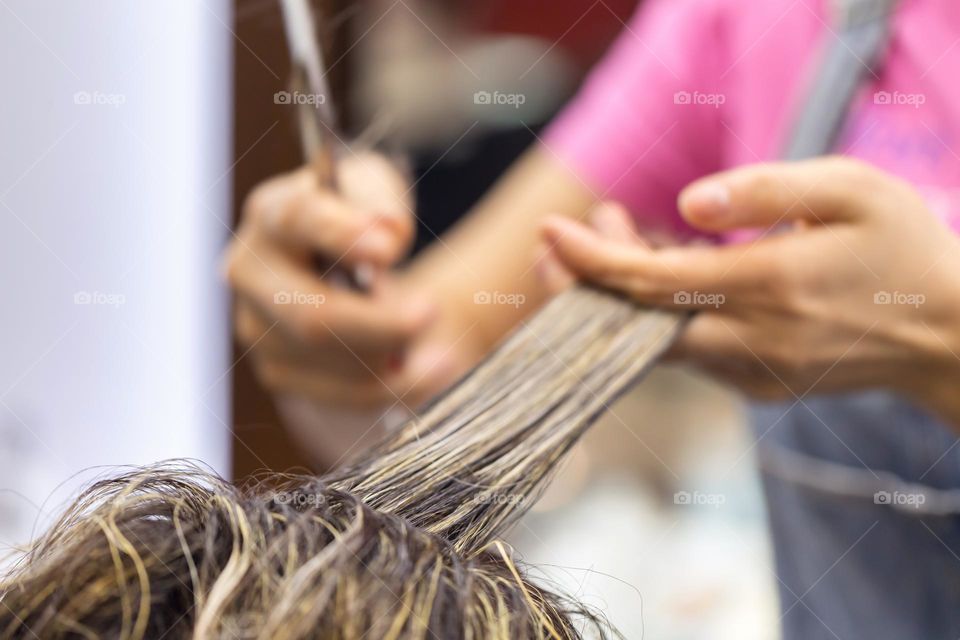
[864, 30]
[859, 485]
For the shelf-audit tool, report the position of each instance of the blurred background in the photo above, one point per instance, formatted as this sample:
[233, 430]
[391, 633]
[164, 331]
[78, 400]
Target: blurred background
[132, 132]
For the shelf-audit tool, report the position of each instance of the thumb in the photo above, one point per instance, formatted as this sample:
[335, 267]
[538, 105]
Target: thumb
[371, 182]
[824, 190]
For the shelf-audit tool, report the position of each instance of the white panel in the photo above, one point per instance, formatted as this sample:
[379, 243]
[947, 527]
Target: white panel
[114, 197]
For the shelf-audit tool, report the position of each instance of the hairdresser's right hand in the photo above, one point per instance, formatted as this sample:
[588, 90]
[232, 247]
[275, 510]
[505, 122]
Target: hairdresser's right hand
[306, 335]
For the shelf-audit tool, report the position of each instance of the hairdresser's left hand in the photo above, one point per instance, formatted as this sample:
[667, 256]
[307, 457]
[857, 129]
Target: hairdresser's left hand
[853, 284]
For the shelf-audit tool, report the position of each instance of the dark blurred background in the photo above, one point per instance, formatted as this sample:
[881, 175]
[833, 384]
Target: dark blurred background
[407, 70]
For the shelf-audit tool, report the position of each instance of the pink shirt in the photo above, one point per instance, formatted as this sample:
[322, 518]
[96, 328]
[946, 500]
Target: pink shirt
[692, 87]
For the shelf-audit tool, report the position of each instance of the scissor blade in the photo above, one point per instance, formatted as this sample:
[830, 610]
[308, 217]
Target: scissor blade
[316, 113]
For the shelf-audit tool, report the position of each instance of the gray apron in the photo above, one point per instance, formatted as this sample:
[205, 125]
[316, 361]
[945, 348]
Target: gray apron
[862, 489]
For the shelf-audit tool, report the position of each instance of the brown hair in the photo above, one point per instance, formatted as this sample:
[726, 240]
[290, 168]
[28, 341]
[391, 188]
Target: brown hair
[401, 545]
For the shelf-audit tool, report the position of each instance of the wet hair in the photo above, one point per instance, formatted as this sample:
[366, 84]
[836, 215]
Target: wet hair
[402, 544]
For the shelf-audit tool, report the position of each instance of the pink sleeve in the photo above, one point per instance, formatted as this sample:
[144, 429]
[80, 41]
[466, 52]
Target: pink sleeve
[648, 119]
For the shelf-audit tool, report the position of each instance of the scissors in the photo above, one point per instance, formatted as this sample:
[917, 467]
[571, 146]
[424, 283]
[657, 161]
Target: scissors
[315, 111]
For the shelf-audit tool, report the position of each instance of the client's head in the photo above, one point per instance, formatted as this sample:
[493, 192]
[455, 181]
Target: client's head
[400, 545]
[170, 551]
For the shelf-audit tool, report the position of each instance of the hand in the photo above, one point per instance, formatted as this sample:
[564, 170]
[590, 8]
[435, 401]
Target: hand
[305, 335]
[852, 285]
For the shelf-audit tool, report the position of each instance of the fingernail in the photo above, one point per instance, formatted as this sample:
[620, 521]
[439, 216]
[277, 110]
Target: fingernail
[553, 228]
[608, 223]
[375, 242]
[613, 222]
[708, 200]
[552, 273]
[430, 363]
[558, 228]
[391, 214]
[422, 310]
[396, 361]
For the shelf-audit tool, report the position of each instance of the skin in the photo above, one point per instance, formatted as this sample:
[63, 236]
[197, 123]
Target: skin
[798, 312]
[418, 328]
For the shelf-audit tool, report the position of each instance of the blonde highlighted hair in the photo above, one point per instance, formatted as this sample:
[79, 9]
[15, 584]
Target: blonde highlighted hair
[400, 545]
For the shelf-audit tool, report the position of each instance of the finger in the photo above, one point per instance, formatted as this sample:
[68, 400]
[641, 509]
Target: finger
[554, 276]
[251, 325]
[712, 344]
[284, 290]
[613, 222]
[720, 345]
[424, 374]
[291, 210]
[821, 191]
[708, 338]
[374, 321]
[427, 371]
[682, 277]
[351, 391]
[372, 182]
[265, 340]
